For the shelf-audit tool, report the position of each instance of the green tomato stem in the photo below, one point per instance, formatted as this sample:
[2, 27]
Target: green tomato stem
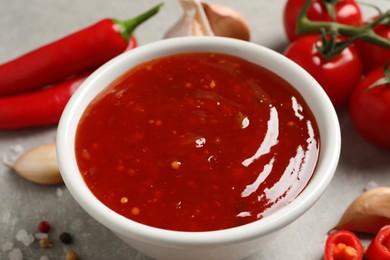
[382, 81]
[365, 33]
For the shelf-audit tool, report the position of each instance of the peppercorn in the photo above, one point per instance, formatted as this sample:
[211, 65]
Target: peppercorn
[66, 238]
[71, 255]
[44, 243]
[44, 226]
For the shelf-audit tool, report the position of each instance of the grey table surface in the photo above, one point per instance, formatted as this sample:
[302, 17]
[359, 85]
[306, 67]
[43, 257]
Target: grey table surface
[25, 25]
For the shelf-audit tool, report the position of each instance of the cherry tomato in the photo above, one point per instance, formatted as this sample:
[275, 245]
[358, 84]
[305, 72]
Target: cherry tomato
[338, 76]
[343, 245]
[374, 56]
[347, 12]
[370, 109]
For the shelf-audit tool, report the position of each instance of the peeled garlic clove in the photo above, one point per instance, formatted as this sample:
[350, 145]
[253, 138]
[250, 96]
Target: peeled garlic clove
[368, 213]
[226, 21]
[192, 23]
[39, 165]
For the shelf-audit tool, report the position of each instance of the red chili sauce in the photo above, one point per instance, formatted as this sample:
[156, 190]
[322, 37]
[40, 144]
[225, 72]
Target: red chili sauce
[197, 142]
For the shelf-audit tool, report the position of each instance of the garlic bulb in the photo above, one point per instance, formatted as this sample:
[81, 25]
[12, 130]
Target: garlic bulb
[193, 22]
[226, 22]
[204, 19]
[39, 165]
[368, 213]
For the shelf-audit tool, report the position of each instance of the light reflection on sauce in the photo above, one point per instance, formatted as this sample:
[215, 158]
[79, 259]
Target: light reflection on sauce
[271, 138]
[294, 178]
[290, 184]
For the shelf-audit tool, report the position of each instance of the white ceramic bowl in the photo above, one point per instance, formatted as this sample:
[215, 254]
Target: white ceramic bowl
[234, 243]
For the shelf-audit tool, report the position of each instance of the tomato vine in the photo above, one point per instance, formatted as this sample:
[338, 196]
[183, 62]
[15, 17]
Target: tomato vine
[364, 32]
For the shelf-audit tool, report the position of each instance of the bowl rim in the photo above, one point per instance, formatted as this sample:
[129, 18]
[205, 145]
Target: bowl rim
[325, 115]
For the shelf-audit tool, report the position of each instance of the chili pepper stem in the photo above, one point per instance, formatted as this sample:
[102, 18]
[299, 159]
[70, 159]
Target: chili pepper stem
[365, 33]
[127, 27]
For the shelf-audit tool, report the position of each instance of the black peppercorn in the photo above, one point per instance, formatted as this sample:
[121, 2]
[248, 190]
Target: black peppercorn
[66, 238]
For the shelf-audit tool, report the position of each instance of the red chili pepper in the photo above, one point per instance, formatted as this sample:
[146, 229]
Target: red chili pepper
[77, 52]
[343, 245]
[379, 248]
[43, 107]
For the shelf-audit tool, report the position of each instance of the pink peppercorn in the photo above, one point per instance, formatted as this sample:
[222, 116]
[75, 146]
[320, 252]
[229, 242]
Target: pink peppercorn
[44, 226]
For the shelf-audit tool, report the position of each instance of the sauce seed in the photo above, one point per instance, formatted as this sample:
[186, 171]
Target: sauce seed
[135, 210]
[175, 165]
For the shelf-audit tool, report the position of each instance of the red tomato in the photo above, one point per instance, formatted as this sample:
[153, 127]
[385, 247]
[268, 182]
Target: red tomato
[338, 76]
[370, 109]
[374, 56]
[343, 244]
[347, 12]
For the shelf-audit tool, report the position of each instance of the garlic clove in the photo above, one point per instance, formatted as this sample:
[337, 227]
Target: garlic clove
[183, 26]
[204, 19]
[39, 165]
[226, 21]
[368, 213]
[193, 22]
[201, 22]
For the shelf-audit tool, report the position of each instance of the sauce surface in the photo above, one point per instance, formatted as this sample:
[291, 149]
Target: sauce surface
[197, 142]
